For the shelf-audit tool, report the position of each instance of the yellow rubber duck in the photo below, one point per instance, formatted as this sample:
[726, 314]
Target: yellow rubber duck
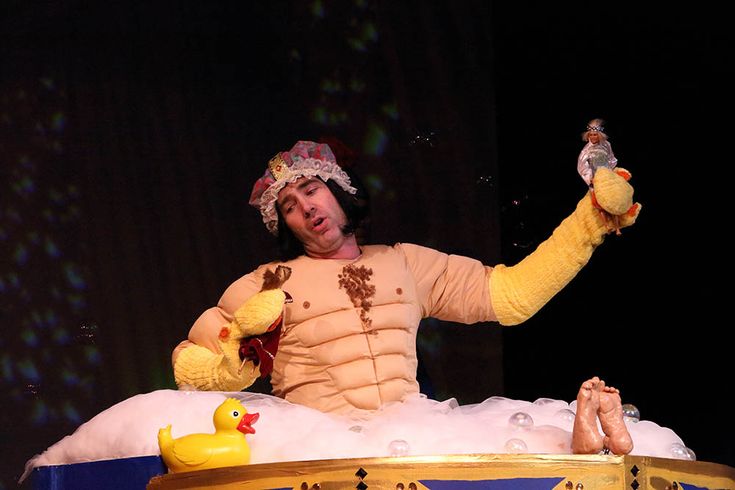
[226, 447]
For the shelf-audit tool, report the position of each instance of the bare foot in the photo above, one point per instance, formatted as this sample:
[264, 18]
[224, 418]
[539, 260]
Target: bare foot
[617, 438]
[586, 439]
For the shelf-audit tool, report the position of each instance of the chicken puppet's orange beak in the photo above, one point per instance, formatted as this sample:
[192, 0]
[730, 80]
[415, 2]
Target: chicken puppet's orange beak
[245, 423]
[289, 299]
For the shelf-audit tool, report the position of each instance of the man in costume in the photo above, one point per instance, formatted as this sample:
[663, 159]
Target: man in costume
[343, 338]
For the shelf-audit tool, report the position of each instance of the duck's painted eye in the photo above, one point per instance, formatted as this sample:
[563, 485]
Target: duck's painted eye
[235, 413]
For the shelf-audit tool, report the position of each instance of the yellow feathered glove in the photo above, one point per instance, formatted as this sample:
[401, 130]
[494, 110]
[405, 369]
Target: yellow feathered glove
[205, 370]
[519, 291]
[260, 313]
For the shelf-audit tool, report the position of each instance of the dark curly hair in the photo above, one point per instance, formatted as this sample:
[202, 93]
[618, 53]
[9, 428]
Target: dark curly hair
[355, 206]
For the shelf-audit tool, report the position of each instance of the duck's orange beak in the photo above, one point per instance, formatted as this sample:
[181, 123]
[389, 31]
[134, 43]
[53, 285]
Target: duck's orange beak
[245, 423]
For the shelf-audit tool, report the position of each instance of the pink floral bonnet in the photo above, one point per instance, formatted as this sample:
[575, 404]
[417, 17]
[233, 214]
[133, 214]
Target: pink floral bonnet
[305, 159]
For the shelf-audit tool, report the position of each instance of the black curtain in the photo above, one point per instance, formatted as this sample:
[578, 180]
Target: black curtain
[166, 113]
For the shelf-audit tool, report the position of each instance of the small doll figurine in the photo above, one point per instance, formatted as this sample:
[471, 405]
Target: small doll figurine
[595, 154]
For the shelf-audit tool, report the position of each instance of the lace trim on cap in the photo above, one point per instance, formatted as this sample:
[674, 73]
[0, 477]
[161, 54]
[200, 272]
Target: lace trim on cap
[308, 167]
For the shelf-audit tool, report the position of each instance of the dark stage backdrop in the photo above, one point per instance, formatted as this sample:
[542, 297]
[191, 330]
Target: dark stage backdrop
[131, 133]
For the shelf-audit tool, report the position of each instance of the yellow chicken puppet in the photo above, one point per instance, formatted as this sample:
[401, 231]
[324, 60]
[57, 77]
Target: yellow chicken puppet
[226, 447]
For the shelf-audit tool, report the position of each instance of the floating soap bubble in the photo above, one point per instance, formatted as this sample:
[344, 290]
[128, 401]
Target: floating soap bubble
[398, 447]
[87, 333]
[679, 451]
[516, 446]
[514, 212]
[631, 413]
[425, 139]
[486, 181]
[32, 389]
[544, 401]
[521, 420]
[565, 415]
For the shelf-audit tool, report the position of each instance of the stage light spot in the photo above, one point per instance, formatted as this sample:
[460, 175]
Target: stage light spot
[55, 196]
[13, 280]
[374, 183]
[6, 368]
[48, 215]
[76, 301]
[70, 413]
[331, 86]
[357, 44]
[376, 140]
[357, 86]
[58, 121]
[51, 319]
[319, 115]
[390, 110]
[48, 83]
[369, 32]
[73, 276]
[61, 336]
[36, 318]
[92, 354]
[13, 215]
[317, 9]
[40, 414]
[29, 337]
[51, 249]
[21, 254]
[27, 369]
[69, 378]
[24, 186]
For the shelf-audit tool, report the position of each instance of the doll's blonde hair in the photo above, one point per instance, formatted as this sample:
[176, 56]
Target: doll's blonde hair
[597, 125]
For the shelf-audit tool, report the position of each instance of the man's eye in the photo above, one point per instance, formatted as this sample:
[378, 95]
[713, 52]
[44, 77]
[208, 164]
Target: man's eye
[311, 190]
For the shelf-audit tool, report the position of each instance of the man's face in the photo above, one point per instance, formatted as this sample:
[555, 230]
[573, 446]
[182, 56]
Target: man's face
[313, 214]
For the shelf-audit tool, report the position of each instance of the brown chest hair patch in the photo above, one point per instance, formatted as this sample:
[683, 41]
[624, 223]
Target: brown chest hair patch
[356, 283]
